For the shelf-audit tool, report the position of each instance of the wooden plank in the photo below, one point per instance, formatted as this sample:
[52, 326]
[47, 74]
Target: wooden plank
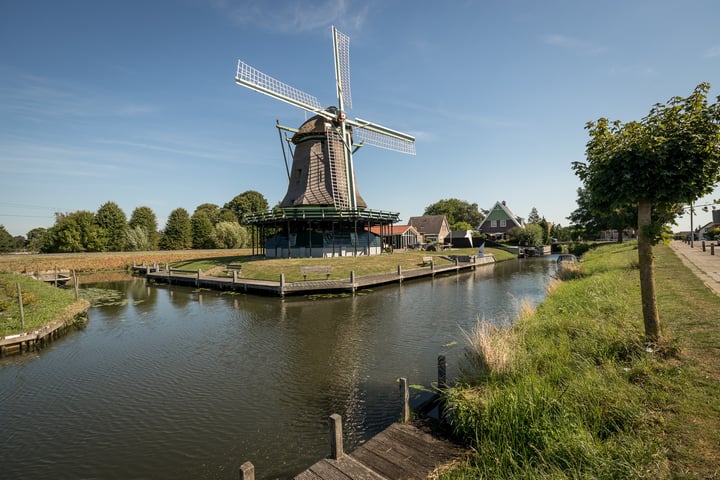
[307, 475]
[356, 470]
[379, 463]
[407, 454]
[391, 453]
[422, 442]
[325, 470]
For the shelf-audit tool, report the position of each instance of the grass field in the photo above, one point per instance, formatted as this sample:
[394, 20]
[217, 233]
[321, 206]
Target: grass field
[570, 391]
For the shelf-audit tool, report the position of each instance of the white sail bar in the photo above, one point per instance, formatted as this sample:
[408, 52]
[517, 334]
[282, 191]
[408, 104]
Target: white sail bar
[256, 80]
[376, 135]
[341, 43]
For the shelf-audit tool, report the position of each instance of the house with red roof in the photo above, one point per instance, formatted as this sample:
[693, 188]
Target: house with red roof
[398, 236]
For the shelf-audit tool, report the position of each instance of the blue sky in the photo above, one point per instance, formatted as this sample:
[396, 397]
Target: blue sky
[135, 101]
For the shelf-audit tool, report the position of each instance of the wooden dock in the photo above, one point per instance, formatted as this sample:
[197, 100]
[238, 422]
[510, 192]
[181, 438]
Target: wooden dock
[281, 288]
[401, 451]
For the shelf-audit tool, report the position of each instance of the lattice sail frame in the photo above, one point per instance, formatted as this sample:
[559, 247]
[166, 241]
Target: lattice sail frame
[365, 132]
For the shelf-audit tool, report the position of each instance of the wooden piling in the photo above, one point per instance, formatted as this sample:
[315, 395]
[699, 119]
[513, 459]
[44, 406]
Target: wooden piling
[406, 400]
[247, 471]
[336, 437]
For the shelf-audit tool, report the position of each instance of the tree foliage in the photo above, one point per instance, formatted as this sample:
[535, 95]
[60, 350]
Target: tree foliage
[531, 235]
[178, 231]
[230, 235]
[670, 157]
[112, 222]
[202, 230]
[74, 232]
[534, 216]
[137, 239]
[7, 242]
[144, 217]
[247, 202]
[456, 211]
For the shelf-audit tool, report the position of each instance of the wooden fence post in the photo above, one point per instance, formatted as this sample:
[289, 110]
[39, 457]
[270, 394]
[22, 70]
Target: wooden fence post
[77, 285]
[406, 400]
[22, 312]
[336, 437]
[442, 385]
[247, 471]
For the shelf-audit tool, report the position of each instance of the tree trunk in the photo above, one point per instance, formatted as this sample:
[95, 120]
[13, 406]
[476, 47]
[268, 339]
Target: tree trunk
[646, 261]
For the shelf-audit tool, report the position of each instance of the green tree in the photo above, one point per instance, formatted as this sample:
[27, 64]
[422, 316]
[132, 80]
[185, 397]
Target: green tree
[593, 219]
[530, 236]
[534, 216]
[7, 242]
[74, 232]
[145, 218]
[202, 230]
[137, 239]
[456, 211]
[178, 231]
[112, 222]
[247, 202]
[670, 157]
[36, 239]
[230, 235]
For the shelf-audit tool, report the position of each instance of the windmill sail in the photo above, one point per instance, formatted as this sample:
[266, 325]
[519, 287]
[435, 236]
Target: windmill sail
[322, 172]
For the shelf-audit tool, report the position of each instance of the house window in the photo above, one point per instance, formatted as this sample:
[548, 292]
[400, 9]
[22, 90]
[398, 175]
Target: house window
[493, 223]
[503, 223]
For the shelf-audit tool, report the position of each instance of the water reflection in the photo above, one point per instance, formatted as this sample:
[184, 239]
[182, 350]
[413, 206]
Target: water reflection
[178, 382]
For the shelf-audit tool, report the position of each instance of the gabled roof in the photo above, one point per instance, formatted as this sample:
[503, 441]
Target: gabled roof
[428, 224]
[396, 229]
[501, 212]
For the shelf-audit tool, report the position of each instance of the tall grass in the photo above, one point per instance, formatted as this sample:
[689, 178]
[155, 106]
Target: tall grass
[561, 393]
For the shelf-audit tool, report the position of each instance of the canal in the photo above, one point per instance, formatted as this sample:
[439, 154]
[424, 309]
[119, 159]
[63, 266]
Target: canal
[172, 382]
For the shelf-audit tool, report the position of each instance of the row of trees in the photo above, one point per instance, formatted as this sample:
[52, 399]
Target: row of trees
[109, 230]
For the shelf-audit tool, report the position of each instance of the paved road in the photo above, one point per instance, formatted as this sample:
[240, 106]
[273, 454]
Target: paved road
[703, 264]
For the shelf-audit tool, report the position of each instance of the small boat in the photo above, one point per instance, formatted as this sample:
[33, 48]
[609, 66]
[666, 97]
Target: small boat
[55, 278]
[566, 259]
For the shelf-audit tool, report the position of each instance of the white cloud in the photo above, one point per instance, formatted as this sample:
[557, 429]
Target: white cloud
[712, 52]
[292, 16]
[572, 44]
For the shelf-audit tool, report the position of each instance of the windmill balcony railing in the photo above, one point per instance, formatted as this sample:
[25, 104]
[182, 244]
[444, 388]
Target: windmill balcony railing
[322, 213]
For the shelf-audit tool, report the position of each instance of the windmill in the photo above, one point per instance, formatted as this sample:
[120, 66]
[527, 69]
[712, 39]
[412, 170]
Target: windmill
[322, 172]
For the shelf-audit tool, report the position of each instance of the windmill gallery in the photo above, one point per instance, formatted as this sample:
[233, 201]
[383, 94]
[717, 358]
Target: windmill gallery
[322, 213]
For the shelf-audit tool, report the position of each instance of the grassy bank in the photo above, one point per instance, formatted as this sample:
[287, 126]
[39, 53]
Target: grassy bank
[42, 303]
[571, 392]
[253, 267]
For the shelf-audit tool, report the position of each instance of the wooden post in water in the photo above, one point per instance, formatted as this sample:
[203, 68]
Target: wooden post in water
[712, 249]
[442, 385]
[197, 280]
[20, 303]
[406, 400]
[247, 471]
[282, 284]
[703, 245]
[336, 437]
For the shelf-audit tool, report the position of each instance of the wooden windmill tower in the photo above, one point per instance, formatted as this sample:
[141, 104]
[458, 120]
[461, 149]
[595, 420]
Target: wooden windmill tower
[322, 173]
